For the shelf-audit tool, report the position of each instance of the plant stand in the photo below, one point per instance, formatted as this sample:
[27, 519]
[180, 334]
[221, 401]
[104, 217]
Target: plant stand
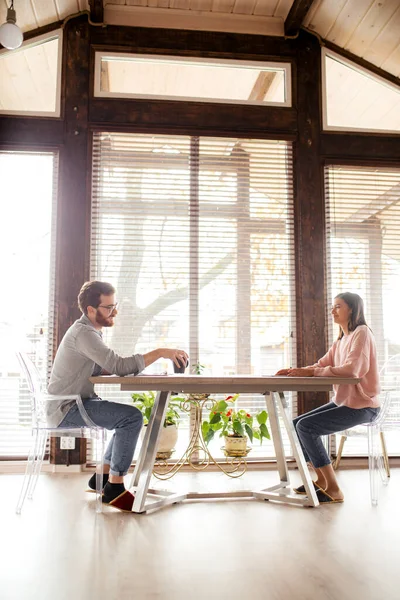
[197, 455]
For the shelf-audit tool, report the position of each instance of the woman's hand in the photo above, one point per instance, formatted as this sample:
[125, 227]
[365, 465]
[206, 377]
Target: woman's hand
[283, 372]
[303, 372]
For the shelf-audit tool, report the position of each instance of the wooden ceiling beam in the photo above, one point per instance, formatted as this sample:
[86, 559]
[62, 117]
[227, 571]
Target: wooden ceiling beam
[96, 11]
[192, 20]
[296, 16]
[262, 85]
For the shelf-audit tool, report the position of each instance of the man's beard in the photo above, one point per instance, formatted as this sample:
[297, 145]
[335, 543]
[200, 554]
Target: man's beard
[104, 322]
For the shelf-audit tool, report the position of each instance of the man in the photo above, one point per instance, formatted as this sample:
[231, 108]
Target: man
[81, 354]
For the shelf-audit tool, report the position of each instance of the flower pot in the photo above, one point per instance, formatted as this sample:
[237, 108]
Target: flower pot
[236, 446]
[167, 440]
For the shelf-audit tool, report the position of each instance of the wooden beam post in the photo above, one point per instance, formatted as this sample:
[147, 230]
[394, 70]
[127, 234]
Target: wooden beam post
[96, 11]
[309, 215]
[72, 218]
[296, 16]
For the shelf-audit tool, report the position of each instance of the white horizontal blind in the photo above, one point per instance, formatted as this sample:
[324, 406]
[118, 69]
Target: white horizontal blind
[363, 254]
[27, 247]
[196, 234]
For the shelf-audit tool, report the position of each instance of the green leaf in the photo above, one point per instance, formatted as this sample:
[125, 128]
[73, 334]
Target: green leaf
[256, 434]
[215, 418]
[237, 427]
[249, 432]
[224, 429]
[220, 406]
[264, 431]
[179, 399]
[262, 417]
[205, 426]
[209, 436]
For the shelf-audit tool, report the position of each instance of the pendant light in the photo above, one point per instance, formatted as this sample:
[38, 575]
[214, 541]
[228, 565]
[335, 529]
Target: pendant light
[10, 34]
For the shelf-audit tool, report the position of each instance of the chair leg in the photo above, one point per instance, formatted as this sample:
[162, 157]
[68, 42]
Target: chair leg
[30, 465]
[38, 461]
[100, 436]
[385, 454]
[340, 451]
[373, 465]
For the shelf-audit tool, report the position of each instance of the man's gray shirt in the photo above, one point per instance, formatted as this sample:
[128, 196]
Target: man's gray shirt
[81, 354]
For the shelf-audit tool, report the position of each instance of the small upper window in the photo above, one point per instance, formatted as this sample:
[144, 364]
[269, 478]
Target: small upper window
[356, 99]
[31, 77]
[204, 80]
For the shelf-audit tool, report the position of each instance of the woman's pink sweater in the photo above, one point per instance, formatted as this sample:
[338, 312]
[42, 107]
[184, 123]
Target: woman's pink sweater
[354, 355]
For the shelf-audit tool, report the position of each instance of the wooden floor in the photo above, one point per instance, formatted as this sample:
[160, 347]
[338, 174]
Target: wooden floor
[60, 549]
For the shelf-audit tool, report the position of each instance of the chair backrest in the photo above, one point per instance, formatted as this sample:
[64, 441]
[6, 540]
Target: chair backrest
[390, 385]
[34, 381]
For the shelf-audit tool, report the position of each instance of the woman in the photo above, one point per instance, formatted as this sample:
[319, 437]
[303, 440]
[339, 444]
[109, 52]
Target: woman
[353, 354]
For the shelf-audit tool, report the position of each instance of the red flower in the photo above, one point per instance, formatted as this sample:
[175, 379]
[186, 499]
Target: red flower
[228, 398]
[228, 414]
[248, 415]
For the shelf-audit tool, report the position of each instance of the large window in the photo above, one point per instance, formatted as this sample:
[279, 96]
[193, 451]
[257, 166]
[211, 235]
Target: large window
[31, 77]
[197, 236]
[180, 78]
[363, 255]
[356, 99]
[28, 200]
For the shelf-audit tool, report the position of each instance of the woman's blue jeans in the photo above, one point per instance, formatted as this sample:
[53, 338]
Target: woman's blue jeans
[127, 422]
[325, 420]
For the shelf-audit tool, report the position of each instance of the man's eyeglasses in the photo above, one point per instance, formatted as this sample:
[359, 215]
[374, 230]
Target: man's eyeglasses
[110, 307]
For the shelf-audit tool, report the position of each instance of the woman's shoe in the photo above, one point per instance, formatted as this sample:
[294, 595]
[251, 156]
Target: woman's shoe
[302, 489]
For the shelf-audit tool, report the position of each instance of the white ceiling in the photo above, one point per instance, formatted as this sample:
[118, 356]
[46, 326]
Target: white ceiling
[367, 28]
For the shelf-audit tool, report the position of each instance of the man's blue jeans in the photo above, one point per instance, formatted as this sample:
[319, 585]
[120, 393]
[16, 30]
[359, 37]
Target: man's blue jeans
[127, 422]
[325, 420]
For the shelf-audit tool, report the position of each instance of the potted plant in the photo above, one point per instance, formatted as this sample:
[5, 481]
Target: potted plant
[237, 426]
[144, 401]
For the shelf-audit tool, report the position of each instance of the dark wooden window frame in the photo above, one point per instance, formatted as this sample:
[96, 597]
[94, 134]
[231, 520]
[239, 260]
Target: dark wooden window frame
[81, 114]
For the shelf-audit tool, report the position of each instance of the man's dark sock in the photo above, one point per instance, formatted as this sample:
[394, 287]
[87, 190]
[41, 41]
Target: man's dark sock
[112, 491]
[92, 481]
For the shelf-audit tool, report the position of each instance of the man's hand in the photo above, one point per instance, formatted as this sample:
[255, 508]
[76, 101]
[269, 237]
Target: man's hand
[179, 357]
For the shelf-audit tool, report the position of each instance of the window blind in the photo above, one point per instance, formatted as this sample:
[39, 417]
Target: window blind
[27, 245]
[363, 255]
[196, 234]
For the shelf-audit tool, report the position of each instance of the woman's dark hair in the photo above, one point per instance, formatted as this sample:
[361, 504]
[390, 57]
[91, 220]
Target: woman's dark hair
[90, 294]
[356, 305]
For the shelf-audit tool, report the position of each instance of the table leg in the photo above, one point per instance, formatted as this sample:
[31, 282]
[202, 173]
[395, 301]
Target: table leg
[282, 492]
[145, 463]
[311, 497]
[277, 439]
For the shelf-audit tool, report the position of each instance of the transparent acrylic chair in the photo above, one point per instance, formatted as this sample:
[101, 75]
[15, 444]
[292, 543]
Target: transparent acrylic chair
[388, 418]
[41, 432]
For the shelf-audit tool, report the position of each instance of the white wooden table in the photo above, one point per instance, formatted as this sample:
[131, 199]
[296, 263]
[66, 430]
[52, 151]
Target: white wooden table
[273, 388]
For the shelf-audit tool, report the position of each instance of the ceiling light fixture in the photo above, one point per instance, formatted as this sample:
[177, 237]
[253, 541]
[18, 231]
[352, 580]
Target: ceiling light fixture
[10, 34]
